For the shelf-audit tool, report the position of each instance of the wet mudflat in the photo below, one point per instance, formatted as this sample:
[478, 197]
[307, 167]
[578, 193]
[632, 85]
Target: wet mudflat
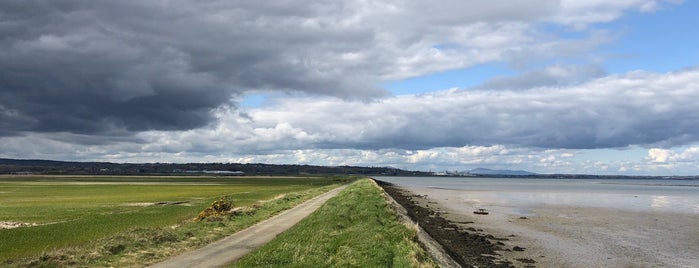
[466, 245]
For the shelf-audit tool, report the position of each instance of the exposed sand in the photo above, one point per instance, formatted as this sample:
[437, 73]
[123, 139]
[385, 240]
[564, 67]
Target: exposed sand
[561, 236]
[14, 224]
[161, 203]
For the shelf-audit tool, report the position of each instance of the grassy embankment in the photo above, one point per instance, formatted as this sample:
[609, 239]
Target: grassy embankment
[111, 221]
[357, 228]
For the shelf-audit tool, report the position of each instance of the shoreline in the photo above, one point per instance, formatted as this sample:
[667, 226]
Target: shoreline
[466, 245]
[564, 236]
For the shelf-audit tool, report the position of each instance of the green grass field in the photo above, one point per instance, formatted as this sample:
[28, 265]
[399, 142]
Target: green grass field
[75, 212]
[357, 228]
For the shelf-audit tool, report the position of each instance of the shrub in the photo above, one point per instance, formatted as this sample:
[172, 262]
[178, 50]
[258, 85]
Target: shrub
[217, 209]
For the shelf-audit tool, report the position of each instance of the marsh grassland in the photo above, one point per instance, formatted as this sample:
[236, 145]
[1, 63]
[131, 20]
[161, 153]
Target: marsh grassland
[357, 228]
[131, 221]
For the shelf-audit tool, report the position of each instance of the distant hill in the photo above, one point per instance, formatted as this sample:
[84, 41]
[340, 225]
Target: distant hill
[485, 171]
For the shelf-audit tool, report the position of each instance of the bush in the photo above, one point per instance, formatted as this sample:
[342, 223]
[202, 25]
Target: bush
[217, 209]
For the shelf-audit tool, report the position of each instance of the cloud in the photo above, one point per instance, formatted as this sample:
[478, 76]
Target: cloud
[580, 14]
[552, 76]
[659, 155]
[638, 108]
[95, 68]
[123, 67]
[665, 156]
[653, 110]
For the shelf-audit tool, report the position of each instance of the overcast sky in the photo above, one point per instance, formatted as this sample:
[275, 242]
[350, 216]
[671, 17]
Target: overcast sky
[566, 86]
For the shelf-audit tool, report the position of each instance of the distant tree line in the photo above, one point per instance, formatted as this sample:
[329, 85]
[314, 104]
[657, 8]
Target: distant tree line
[50, 167]
[16, 166]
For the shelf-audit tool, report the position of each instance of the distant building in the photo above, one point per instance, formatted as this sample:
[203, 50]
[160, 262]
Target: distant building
[224, 172]
[214, 172]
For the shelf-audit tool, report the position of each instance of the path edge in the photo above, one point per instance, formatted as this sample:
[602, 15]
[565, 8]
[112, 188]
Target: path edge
[169, 262]
[432, 246]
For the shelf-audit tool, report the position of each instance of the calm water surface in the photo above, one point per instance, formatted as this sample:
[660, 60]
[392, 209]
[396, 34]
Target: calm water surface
[629, 194]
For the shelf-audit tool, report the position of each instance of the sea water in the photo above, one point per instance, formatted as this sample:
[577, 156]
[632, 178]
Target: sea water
[668, 195]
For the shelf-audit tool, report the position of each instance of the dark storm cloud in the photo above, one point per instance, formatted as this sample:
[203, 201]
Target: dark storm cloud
[118, 68]
[96, 67]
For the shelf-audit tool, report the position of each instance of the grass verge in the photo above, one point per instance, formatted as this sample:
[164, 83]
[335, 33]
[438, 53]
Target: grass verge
[357, 228]
[155, 233]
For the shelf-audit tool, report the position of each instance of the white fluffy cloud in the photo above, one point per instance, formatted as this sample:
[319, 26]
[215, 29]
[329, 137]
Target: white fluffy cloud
[665, 156]
[638, 108]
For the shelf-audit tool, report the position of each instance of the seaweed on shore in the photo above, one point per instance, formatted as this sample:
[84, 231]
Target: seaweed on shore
[469, 249]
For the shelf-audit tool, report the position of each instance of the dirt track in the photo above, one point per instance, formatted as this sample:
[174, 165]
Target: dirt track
[237, 245]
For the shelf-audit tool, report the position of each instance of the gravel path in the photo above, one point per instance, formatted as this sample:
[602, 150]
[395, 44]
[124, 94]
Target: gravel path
[235, 246]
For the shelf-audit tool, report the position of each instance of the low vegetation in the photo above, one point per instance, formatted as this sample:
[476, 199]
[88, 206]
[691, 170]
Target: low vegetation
[357, 228]
[108, 221]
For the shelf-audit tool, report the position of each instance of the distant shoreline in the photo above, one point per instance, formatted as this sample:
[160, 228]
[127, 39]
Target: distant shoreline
[54, 167]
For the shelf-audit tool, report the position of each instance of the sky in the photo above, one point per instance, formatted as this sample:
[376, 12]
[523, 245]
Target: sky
[547, 86]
